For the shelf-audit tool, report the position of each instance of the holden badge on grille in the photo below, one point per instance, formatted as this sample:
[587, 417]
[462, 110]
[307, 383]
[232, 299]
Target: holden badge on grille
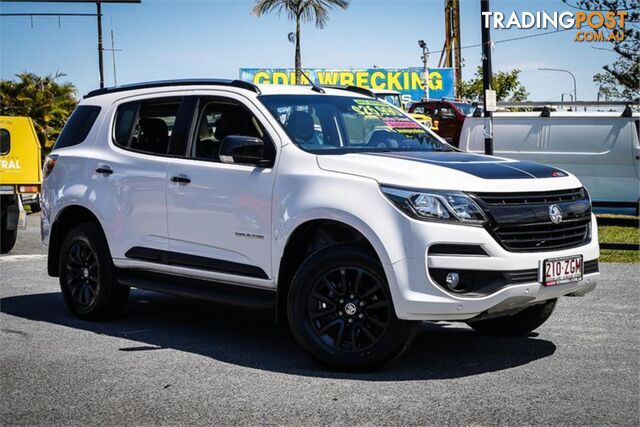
[555, 214]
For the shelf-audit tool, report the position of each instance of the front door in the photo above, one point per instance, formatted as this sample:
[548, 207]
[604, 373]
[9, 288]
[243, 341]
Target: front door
[219, 215]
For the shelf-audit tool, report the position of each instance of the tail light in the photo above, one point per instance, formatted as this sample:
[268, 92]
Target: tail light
[29, 189]
[49, 164]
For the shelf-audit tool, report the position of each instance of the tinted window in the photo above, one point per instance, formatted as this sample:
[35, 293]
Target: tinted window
[5, 142]
[78, 126]
[218, 119]
[146, 126]
[124, 123]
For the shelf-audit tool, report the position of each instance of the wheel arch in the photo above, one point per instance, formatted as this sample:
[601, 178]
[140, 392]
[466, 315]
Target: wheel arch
[312, 235]
[67, 218]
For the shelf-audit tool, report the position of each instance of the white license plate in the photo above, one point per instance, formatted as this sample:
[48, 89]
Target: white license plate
[558, 271]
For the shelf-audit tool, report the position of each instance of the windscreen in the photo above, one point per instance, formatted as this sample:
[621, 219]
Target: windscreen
[326, 124]
[466, 109]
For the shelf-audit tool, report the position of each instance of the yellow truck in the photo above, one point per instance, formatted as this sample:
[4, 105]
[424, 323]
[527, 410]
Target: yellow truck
[20, 174]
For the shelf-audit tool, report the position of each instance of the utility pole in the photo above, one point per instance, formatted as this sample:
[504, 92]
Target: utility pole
[98, 15]
[100, 47]
[425, 65]
[451, 53]
[486, 77]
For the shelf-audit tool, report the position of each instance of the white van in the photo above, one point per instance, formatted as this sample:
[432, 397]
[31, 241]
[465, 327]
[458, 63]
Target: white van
[601, 149]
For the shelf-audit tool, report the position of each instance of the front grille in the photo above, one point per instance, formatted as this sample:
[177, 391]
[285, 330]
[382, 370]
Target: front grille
[520, 221]
[548, 197]
[591, 266]
[521, 276]
[543, 236]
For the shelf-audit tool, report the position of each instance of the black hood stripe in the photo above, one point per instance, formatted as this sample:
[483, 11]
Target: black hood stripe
[485, 167]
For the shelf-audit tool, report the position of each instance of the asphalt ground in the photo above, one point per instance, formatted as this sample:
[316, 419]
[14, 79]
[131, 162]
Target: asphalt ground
[176, 361]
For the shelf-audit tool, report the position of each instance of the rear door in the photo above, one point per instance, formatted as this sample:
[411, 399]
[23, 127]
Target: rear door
[219, 215]
[129, 178]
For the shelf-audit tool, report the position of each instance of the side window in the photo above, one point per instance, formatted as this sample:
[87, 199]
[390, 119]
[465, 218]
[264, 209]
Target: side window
[447, 113]
[146, 126]
[220, 118]
[78, 126]
[5, 142]
[419, 109]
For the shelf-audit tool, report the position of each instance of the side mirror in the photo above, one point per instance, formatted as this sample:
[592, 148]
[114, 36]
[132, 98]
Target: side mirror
[245, 150]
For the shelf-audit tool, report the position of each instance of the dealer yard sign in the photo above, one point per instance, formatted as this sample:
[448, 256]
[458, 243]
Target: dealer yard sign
[408, 81]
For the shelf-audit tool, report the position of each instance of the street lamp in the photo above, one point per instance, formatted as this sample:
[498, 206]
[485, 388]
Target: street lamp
[575, 93]
[425, 64]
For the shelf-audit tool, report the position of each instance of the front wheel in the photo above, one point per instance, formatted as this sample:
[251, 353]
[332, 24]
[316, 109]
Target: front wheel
[340, 310]
[87, 278]
[521, 323]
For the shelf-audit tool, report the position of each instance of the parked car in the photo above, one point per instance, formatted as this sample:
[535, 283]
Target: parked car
[20, 173]
[601, 149]
[393, 97]
[261, 196]
[447, 115]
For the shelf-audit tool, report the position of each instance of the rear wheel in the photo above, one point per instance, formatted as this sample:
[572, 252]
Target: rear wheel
[340, 310]
[7, 238]
[87, 278]
[517, 324]
[8, 215]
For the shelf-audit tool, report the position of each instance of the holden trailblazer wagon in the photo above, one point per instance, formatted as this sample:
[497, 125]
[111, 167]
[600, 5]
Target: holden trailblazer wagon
[338, 211]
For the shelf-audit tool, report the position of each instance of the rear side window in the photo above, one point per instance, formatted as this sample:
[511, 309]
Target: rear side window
[5, 142]
[146, 126]
[78, 126]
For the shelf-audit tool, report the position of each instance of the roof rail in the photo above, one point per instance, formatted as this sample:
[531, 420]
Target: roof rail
[565, 103]
[356, 89]
[167, 83]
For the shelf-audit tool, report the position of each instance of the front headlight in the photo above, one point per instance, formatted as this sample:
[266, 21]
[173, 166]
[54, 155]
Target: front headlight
[436, 205]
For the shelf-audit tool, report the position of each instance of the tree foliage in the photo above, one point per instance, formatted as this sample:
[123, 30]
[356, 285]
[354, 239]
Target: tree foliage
[42, 98]
[299, 11]
[506, 84]
[620, 79]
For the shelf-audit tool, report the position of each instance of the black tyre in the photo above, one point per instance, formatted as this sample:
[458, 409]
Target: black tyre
[521, 323]
[340, 310]
[87, 278]
[7, 238]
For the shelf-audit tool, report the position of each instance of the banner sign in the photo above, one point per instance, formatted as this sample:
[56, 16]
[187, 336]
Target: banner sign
[407, 81]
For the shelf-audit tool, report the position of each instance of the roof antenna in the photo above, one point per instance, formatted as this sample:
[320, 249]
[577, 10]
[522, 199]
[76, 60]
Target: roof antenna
[314, 86]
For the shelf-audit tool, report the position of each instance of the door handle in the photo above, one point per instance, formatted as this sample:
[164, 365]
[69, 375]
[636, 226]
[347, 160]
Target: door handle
[180, 179]
[104, 170]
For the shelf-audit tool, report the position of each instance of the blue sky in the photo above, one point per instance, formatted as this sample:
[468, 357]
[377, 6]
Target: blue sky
[164, 39]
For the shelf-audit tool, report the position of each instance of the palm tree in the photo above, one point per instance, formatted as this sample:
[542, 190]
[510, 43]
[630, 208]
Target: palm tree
[42, 98]
[300, 11]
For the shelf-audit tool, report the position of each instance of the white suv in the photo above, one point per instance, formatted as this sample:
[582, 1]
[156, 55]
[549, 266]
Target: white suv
[333, 207]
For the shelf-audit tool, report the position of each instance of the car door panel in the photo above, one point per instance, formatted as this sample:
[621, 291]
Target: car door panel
[223, 213]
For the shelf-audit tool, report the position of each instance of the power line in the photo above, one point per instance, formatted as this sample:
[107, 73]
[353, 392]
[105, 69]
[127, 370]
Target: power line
[512, 39]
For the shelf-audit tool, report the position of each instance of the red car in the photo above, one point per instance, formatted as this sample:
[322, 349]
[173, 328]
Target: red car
[447, 115]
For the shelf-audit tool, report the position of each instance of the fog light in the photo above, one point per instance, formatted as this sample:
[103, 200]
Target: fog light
[452, 280]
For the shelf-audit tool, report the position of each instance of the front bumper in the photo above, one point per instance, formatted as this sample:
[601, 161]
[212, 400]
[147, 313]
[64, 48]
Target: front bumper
[416, 296]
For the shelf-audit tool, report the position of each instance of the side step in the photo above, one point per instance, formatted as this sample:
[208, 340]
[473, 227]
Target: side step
[241, 296]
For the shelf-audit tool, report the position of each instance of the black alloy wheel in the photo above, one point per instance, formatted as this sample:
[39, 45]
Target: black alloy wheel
[349, 309]
[340, 310]
[88, 281]
[82, 279]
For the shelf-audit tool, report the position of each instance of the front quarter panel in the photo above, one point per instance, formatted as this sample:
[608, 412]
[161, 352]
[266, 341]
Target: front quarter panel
[304, 192]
